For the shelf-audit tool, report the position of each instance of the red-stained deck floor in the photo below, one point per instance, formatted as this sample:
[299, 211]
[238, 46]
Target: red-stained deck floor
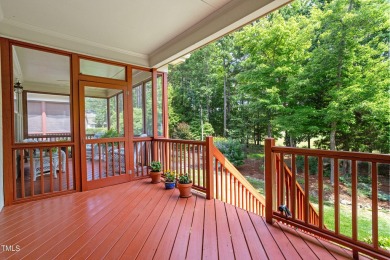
[139, 220]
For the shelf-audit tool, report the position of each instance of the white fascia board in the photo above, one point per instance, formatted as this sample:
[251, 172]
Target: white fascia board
[227, 19]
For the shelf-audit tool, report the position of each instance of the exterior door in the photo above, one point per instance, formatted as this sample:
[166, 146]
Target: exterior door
[104, 135]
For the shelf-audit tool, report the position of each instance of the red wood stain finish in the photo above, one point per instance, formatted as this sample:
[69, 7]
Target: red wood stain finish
[139, 220]
[300, 246]
[241, 250]
[271, 247]
[255, 247]
[225, 246]
[195, 243]
[210, 250]
[183, 234]
[161, 245]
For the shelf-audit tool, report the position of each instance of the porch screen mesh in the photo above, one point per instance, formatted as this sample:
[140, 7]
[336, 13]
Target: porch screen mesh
[57, 117]
[34, 117]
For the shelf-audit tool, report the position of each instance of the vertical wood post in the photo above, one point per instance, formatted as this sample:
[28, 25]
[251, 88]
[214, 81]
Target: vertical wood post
[270, 179]
[154, 113]
[7, 117]
[209, 168]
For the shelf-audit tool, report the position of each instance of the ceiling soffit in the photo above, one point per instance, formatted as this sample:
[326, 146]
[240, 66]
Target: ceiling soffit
[205, 21]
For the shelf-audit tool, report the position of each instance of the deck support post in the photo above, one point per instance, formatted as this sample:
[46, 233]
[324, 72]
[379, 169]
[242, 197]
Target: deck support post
[270, 179]
[209, 168]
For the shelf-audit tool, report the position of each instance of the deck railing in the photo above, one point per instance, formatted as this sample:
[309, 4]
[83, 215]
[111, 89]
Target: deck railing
[281, 192]
[228, 185]
[184, 156]
[295, 191]
[210, 171]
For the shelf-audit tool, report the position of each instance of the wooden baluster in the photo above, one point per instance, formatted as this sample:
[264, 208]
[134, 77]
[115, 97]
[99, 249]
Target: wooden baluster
[22, 173]
[374, 206]
[67, 168]
[41, 167]
[320, 193]
[226, 185]
[100, 161]
[51, 170]
[307, 194]
[336, 196]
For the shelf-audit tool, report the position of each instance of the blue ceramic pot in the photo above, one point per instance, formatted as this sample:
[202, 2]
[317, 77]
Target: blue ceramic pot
[169, 185]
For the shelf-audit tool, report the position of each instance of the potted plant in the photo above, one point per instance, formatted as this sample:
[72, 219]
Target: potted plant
[155, 171]
[184, 184]
[170, 180]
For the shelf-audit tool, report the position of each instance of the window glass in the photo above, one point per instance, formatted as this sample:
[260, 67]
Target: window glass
[142, 103]
[160, 119]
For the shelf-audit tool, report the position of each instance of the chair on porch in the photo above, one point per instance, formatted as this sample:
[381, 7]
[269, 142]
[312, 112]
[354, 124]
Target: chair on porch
[119, 154]
[48, 162]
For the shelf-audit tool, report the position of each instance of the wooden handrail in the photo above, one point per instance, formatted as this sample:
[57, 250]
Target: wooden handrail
[312, 221]
[230, 167]
[379, 158]
[227, 184]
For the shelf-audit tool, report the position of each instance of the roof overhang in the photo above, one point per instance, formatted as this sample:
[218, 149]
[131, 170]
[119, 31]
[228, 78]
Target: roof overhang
[146, 33]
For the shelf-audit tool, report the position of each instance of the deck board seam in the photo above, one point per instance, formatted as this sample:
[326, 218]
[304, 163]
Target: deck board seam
[230, 232]
[136, 209]
[105, 210]
[158, 220]
[261, 242]
[246, 242]
[116, 242]
[104, 226]
[77, 220]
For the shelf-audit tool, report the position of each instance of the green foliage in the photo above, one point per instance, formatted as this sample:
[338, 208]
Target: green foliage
[155, 166]
[170, 176]
[110, 133]
[383, 242]
[311, 70]
[182, 131]
[184, 178]
[313, 164]
[232, 149]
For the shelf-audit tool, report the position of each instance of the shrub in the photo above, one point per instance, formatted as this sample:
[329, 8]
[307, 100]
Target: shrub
[182, 131]
[232, 149]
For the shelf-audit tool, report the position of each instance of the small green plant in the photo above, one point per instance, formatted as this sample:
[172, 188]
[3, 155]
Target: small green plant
[155, 166]
[184, 179]
[110, 133]
[170, 176]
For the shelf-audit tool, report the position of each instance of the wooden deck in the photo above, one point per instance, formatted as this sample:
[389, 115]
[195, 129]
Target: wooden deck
[145, 221]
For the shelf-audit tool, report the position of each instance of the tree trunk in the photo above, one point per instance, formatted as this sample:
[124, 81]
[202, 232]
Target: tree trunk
[308, 142]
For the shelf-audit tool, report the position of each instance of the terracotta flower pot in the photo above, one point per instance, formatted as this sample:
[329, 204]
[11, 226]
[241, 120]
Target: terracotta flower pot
[185, 190]
[156, 177]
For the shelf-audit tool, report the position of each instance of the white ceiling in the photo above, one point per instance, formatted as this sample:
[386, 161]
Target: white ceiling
[148, 33]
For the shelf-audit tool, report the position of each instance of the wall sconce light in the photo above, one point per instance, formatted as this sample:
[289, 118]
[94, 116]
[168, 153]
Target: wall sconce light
[18, 88]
